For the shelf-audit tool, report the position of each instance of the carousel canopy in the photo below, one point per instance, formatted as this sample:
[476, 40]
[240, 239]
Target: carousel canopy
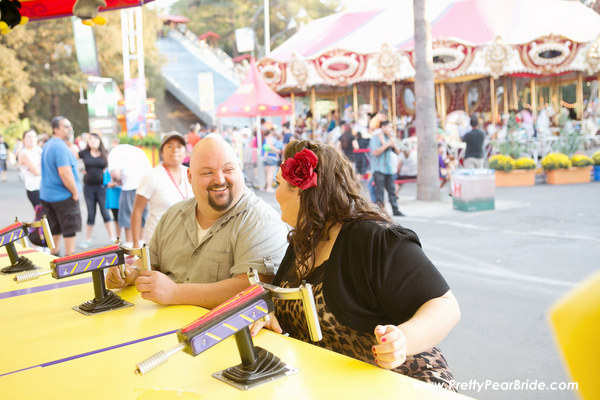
[471, 39]
[253, 98]
[45, 9]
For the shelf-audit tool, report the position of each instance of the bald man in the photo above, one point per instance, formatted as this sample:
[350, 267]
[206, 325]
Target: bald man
[203, 247]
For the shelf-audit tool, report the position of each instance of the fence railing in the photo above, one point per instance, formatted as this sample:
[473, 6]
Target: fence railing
[214, 57]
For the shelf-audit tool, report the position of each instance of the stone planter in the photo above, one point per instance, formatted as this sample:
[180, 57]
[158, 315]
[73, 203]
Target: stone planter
[516, 177]
[568, 176]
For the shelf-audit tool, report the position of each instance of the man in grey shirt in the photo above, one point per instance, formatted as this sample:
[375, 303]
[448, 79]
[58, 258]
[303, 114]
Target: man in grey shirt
[203, 247]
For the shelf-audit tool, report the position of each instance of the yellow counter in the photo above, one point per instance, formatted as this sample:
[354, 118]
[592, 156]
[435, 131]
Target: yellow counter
[50, 351]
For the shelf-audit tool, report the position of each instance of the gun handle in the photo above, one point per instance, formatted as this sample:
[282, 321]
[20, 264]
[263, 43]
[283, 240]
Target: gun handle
[310, 312]
[47, 233]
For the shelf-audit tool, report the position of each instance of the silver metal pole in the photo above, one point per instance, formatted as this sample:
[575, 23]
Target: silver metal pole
[267, 30]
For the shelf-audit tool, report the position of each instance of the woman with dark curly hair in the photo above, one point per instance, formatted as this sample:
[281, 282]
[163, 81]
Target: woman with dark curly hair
[379, 298]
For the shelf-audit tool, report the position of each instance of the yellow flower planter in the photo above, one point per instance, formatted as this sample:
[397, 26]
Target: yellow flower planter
[569, 176]
[516, 177]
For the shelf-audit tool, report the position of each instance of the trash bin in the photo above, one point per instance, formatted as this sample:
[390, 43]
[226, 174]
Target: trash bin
[473, 189]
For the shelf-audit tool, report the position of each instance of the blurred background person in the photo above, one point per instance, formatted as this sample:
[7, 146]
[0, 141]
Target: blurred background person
[30, 164]
[3, 158]
[346, 145]
[272, 148]
[95, 161]
[166, 185]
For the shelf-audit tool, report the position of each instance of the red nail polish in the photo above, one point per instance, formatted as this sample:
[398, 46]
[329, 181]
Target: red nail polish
[382, 340]
[374, 351]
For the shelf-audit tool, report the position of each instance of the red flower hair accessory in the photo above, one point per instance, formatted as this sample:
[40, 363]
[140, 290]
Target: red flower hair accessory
[299, 171]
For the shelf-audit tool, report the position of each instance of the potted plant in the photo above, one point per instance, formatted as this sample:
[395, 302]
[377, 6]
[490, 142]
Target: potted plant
[512, 173]
[149, 145]
[596, 158]
[561, 170]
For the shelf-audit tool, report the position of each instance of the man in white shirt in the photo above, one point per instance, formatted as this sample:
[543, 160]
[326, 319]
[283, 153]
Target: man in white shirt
[127, 166]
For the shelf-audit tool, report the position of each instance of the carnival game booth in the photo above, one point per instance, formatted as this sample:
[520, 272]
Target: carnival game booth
[254, 99]
[54, 352]
[489, 56]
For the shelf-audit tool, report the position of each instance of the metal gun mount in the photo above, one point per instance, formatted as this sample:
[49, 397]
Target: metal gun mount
[21, 230]
[94, 262]
[233, 317]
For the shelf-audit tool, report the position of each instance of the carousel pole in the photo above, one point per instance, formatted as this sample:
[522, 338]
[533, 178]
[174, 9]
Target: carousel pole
[293, 118]
[493, 100]
[389, 106]
[355, 101]
[505, 95]
[337, 101]
[466, 97]
[533, 99]
[579, 96]
[372, 97]
[515, 95]
[313, 110]
[442, 105]
[555, 100]
[380, 92]
[598, 100]
[394, 107]
[438, 105]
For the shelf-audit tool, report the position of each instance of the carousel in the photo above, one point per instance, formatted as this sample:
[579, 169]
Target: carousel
[489, 57]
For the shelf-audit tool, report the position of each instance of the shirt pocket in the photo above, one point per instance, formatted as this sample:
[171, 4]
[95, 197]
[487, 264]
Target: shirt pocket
[218, 264]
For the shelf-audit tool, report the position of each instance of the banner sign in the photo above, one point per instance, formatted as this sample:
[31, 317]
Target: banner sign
[85, 48]
[207, 94]
[102, 103]
[135, 106]
[244, 39]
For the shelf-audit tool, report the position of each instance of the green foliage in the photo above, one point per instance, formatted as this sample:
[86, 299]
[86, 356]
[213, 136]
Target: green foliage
[14, 131]
[501, 162]
[15, 89]
[556, 161]
[512, 146]
[148, 141]
[569, 143]
[581, 160]
[596, 158]
[525, 163]
[225, 16]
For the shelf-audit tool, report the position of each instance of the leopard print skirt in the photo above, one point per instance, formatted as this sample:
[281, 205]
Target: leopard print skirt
[429, 366]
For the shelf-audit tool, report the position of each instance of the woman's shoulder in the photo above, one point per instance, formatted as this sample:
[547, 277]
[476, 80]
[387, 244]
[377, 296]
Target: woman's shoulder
[373, 230]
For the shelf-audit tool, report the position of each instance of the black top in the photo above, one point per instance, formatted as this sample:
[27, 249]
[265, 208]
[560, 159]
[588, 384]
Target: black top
[376, 274]
[474, 141]
[346, 140]
[94, 168]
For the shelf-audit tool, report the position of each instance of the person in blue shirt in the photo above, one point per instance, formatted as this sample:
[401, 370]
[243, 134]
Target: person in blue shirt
[383, 166]
[60, 187]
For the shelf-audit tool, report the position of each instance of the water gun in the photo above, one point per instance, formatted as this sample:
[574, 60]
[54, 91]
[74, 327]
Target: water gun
[94, 262]
[233, 317]
[19, 231]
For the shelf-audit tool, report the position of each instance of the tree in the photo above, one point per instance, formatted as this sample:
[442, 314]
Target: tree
[224, 17]
[46, 58]
[428, 166]
[15, 89]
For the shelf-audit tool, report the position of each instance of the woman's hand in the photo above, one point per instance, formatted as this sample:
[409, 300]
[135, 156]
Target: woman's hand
[271, 324]
[391, 350]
